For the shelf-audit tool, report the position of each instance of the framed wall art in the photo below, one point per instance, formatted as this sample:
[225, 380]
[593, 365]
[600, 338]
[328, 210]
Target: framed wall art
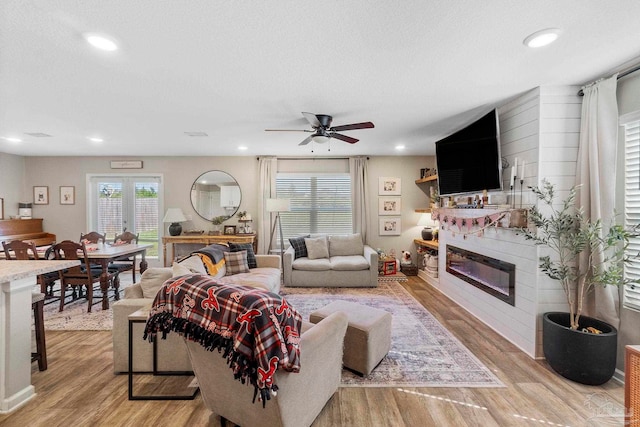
[389, 186]
[40, 195]
[389, 206]
[390, 226]
[126, 164]
[67, 195]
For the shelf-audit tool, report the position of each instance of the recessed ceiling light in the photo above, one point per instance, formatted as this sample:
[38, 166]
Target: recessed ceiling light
[97, 140]
[399, 147]
[542, 37]
[10, 139]
[242, 147]
[38, 134]
[101, 42]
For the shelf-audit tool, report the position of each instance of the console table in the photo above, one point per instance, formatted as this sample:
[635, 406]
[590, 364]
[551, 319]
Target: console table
[206, 239]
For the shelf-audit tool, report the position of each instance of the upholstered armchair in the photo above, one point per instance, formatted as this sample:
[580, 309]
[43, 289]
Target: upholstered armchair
[301, 396]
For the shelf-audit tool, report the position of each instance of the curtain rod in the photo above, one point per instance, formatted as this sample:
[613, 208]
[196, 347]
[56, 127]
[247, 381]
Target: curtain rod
[312, 158]
[620, 75]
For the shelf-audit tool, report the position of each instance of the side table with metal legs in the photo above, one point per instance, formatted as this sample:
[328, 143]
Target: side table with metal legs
[141, 316]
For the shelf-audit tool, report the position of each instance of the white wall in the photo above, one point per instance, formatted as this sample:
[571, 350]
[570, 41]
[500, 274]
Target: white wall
[68, 221]
[12, 185]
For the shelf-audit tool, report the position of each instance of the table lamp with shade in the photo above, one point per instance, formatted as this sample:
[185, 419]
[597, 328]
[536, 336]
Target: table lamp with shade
[277, 206]
[175, 216]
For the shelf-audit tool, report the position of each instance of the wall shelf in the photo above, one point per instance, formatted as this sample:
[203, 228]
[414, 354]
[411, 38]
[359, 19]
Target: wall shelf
[433, 244]
[427, 179]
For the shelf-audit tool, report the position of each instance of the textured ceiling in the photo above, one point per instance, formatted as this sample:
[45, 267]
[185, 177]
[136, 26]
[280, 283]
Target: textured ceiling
[417, 69]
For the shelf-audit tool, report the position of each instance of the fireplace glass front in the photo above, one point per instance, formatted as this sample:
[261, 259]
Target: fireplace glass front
[491, 275]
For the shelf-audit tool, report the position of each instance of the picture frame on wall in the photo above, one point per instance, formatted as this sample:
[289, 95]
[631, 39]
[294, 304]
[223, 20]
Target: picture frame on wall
[390, 226]
[388, 186]
[67, 195]
[230, 229]
[389, 205]
[40, 195]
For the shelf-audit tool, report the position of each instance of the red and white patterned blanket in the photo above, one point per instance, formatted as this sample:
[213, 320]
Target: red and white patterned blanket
[257, 331]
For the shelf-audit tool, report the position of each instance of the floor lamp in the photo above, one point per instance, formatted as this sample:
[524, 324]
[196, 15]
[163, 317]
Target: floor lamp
[277, 206]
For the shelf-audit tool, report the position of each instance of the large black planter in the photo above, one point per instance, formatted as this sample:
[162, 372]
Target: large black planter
[579, 356]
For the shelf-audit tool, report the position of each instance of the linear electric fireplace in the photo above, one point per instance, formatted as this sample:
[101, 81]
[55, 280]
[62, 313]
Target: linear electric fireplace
[491, 275]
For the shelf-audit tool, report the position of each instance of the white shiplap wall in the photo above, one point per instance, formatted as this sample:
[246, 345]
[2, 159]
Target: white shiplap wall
[560, 110]
[540, 128]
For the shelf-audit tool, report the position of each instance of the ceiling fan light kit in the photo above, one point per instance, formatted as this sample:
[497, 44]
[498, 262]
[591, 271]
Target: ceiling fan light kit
[322, 130]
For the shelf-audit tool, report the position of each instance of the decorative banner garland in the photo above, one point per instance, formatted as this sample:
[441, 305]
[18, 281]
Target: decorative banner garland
[468, 222]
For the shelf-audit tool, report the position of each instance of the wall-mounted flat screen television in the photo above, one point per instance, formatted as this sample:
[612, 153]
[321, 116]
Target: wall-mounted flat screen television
[469, 160]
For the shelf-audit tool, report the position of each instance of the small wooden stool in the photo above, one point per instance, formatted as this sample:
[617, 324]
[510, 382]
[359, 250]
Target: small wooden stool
[37, 304]
[368, 337]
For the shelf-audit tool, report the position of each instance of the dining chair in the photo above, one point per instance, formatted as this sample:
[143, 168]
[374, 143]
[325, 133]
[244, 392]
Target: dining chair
[77, 276]
[48, 280]
[127, 262]
[93, 237]
[21, 251]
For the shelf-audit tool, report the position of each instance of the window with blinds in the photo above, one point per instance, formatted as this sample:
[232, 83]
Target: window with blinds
[632, 209]
[320, 203]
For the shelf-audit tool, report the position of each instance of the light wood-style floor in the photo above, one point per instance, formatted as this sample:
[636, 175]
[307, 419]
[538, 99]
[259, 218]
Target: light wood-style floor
[80, 389]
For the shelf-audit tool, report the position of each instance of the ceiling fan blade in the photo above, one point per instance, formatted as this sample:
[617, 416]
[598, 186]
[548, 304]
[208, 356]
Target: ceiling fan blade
[344, 138]
[287, 130]
[363, 125]
[306, 140]
[312, 119]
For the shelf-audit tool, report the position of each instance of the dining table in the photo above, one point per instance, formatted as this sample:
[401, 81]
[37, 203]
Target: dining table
[104, 253]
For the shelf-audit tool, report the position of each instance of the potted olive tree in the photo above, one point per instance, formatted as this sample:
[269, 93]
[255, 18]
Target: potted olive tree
[576, 346]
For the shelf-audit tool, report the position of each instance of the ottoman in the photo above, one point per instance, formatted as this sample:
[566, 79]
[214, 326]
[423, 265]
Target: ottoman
[368, 337]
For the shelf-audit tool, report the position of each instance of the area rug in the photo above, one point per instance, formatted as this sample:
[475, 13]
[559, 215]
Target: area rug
[423, 352]
[74, 317]
[396, 277]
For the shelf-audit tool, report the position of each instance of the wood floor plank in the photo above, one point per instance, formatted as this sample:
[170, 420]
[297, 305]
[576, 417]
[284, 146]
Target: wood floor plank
[80, 389]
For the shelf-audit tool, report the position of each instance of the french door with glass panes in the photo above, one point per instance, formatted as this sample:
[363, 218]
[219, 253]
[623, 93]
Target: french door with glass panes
[131, 203]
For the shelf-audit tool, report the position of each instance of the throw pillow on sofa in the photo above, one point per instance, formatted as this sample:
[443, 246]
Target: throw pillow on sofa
[178, 269]
[317, 247]
[299, 247]
[251, 256]
[152, 280]
[236, 262]
[346, 245]
[194, 264]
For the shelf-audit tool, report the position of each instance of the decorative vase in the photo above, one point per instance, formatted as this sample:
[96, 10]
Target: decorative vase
[583, 357]
[216, 230]
[175, 229]
[427, 233]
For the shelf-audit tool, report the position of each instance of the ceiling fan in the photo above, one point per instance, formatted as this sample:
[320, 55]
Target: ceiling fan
[322, 130]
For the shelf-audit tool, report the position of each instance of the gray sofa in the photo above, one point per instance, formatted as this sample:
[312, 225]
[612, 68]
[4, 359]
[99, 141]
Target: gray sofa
[172, 353]
[346, 262]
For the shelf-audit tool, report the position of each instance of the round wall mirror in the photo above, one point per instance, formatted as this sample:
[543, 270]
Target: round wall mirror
[215, 194]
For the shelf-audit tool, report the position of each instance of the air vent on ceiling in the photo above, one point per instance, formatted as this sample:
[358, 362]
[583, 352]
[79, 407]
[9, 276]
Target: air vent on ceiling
[38, 134]
[196, 134]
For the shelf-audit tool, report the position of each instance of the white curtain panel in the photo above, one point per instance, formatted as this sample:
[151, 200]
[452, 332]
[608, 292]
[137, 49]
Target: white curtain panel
[268, 171]
[360, 195]
[596, 173]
